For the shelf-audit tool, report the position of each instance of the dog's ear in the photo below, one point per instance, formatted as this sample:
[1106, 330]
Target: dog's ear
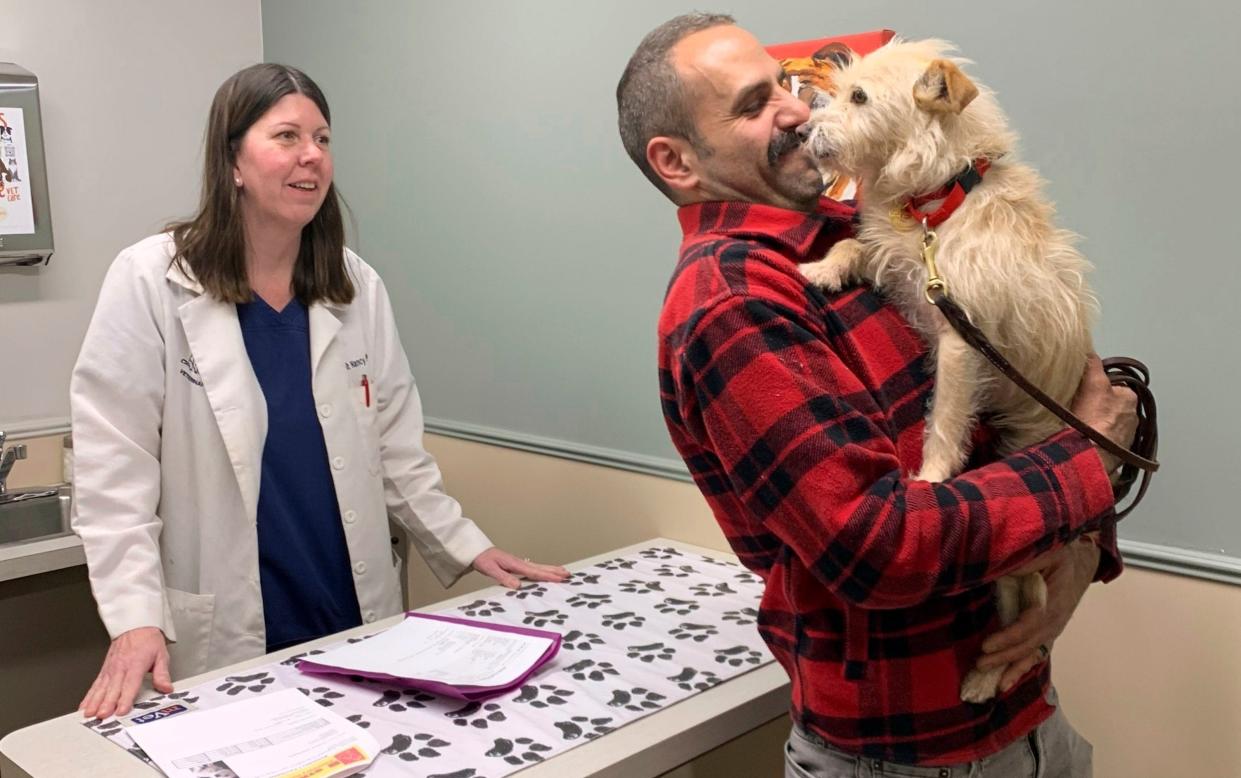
[943, 88]
[838, 54]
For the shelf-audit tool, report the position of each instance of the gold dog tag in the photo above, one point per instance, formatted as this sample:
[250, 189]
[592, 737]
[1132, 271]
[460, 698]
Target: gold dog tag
[900, 219]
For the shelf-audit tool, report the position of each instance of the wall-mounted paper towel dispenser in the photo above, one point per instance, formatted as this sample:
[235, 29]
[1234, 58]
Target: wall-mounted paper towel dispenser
[25, 211]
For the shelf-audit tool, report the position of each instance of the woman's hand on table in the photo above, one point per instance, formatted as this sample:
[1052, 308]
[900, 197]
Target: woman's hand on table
[508, 570]
[130, 657]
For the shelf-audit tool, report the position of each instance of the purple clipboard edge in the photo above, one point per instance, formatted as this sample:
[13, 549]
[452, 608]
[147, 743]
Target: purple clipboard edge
[470, 693]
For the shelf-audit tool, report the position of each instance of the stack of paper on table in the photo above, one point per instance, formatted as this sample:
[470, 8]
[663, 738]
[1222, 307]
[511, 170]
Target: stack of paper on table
[277, 735]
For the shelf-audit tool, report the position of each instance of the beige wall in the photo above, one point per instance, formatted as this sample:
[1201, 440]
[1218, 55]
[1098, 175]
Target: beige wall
[1149, 670]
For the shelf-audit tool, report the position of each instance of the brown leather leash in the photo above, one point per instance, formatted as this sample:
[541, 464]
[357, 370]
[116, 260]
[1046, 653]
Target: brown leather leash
[1121, 371]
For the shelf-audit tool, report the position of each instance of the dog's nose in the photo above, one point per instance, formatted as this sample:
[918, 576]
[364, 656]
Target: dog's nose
[803, 132]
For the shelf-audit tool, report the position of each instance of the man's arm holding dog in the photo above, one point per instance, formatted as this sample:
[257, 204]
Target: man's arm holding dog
[807, 452]
[1070, 570]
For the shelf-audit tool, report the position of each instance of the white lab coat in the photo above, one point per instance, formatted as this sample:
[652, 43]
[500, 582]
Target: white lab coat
[169, 424]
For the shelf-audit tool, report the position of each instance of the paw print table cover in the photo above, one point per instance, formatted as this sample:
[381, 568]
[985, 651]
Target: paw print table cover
[641, 632]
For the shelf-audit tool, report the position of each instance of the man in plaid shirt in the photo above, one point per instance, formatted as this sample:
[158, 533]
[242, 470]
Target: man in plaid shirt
[800, 415]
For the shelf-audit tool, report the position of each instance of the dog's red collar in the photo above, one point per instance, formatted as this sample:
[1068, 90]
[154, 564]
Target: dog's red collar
[952, 193]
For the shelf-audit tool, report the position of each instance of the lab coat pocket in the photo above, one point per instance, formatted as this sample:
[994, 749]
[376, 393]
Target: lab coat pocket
[367, 414]
[364, 399]
[193, 616]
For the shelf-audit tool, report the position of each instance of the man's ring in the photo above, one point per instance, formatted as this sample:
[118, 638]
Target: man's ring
[1044, 652]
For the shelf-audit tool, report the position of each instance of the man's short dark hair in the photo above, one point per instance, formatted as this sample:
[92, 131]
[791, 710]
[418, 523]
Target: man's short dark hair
[650, 98]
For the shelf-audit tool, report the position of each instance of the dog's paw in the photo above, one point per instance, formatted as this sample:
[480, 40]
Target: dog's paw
[825, 274]
[981, 685]
[837, 268]
[933, 473]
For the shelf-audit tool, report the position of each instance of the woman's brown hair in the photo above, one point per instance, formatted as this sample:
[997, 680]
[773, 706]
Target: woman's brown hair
[211, 245]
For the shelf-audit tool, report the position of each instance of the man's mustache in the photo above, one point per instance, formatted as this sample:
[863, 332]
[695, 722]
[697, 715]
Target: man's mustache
[783, 143]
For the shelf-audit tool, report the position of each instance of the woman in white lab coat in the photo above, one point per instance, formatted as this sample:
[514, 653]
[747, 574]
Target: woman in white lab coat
[245, 420]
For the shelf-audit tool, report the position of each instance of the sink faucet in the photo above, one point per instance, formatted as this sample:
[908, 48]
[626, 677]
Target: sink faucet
[7, 457]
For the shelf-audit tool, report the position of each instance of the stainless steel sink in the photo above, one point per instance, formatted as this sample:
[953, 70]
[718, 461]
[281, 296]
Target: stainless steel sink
[34, 514]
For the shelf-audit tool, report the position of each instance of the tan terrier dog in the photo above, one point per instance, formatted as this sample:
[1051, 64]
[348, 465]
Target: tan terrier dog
[930, 147]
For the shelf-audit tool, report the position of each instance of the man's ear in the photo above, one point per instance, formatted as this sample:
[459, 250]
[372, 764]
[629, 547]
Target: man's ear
[943, 88]
[673, 160]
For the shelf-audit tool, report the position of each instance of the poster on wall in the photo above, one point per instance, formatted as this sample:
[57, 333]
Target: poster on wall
[16, 212]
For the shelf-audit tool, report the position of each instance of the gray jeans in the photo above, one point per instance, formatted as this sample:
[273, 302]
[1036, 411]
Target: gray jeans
[1054, 750]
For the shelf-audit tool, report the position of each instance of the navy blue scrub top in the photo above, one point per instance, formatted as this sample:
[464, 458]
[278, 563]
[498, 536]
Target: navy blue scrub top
[304, 569]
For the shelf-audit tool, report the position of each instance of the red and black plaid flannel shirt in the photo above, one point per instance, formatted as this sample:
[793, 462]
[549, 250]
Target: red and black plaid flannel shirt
[797, 414]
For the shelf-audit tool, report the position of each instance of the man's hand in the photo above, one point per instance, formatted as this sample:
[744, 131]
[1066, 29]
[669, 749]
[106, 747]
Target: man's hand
[130, 656]
[1068, 572]
[1111, 410]
[505, 568]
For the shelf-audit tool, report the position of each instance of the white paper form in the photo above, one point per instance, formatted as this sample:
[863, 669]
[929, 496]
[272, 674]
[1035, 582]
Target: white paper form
[276, 735]
[429, 650]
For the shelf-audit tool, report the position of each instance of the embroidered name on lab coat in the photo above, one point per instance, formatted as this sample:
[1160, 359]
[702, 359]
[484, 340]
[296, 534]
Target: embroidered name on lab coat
[190, 371]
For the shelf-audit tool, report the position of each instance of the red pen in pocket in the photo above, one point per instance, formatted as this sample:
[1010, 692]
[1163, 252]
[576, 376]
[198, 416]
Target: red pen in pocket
[366, 390]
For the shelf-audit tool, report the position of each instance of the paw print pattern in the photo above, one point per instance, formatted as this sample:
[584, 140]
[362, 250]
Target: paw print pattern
[468, 772]
[659, 553]
[576, 640]
[357, 719]
[711, 560]
[712, 590]
[620, 621]
[543, 618]
[420, 746]
[743, 616]
[482, 608]
[543, 695]
[591, 601]
[592, 670]
[583, 579]
[521, 750]
[527, 590]
[679, 607]
[692, 680]
[489, 712]
[641, 587]
[746, 577]
[636, 699]
[236, 684]
[737, 656]
[582, 726]
[138, 752]
[679, 571]
[403, 700]
[299, 657]
[695, 632]
[620, 563]
[105, 728]
[650, 652]
[322, 695]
